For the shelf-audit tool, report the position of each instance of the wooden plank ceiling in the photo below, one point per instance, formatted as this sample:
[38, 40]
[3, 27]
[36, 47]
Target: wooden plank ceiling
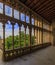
[45, 8]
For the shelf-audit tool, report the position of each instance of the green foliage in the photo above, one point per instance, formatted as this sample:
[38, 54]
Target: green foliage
[22, 39]
[16, 41]
[27, 39]
[8, 41]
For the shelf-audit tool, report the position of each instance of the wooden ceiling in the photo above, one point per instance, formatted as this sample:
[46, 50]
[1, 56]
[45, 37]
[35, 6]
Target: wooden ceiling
[45, 8]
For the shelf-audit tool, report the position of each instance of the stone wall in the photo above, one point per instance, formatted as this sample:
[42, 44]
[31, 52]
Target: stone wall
[53, 29]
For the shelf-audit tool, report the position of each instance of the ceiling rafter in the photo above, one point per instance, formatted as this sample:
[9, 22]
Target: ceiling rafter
[48, 13]
[45, 7]
[35, 4]
[28, 2]
[42, 5]
[31, 3]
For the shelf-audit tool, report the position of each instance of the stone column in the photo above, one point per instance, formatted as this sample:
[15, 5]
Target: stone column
[20, 35]
[13, 36]
[53, 31]
[30, 30]
[25, 35]
[3, 41]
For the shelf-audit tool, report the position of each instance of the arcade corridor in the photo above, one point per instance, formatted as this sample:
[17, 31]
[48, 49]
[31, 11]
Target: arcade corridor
[27, 32]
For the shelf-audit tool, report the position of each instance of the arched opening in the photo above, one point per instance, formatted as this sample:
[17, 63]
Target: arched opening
[16, 36]
[27, 37]
[8, 36]
[22, 36]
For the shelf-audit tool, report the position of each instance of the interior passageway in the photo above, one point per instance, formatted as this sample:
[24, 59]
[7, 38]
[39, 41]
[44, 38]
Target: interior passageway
[24, 29]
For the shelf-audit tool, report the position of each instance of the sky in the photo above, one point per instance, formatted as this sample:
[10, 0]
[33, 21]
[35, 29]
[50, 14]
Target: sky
[1, 8]
[8, 28]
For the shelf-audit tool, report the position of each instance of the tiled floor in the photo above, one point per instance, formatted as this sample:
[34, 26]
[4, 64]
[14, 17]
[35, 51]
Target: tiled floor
[42, 57]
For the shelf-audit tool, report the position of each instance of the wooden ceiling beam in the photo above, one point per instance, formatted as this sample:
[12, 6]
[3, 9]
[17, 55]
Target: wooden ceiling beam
[36, 4]
[28, 2]
[47, 10]
[45, 7]
[42, 5]
[48, 13]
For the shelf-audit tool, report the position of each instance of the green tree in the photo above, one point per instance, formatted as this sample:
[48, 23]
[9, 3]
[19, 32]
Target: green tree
[8, 41]
[32, 40]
